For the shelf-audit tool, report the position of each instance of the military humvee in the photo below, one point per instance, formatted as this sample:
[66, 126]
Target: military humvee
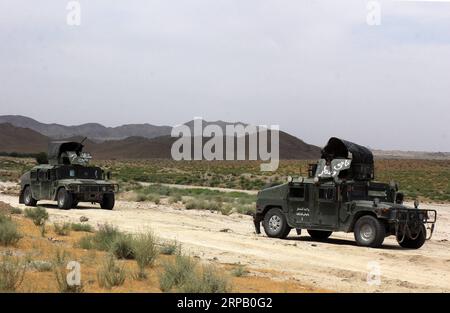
[340, 194]
[68, 179]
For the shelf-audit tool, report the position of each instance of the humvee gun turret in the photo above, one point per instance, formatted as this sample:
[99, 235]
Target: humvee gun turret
[340, 194]
[68, 179]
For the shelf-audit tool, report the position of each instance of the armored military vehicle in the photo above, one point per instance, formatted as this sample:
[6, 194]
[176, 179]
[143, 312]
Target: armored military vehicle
[68, 179]
[340, 195]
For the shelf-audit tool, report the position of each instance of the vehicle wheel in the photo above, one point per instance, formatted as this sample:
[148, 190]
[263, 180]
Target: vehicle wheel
[64, 199]
[414, 243]
[275, 224]
[28, 199]
[108, 201]
[319, 234]
[369, 232]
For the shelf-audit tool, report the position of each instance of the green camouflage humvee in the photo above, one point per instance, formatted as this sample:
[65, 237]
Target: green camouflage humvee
[339, 194]
[68, 179]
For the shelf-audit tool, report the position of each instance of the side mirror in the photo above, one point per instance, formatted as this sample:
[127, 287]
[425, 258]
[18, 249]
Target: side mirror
[289, 179]
[108, 175]
[416, 203]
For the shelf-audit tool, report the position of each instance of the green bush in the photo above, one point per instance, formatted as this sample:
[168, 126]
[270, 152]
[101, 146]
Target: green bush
[111, 274]
[39, 216]
[62, 229]
[9, 235]
[41, 266]
[86, 242]
[169, 247]
[82, 227]
[175, 199]
[123, 248]
[12, 271]
[177, 272]
[145, 251]
[206, 280]
[16, 211]
[239, 271]
[105, 237]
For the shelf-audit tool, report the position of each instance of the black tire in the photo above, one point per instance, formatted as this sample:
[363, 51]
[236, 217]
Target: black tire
[319, 234]
[369, 232]
[28, 199]
[108, 201]
[414, 243]
[64, 199]
[275, 224]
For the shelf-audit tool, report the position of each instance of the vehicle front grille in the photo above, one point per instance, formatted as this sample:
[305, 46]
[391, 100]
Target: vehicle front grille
[90, 188]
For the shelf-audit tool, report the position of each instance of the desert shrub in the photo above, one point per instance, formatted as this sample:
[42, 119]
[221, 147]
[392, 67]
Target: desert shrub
[169, 247]
[153, 197]
[239, 271]
[82, 227]
[16, 211]
[110, 274]
[208, 279]
[175, 199]
[62, 229]
[86, 242]
[195, 204]
[140, 197]
[108, 238]
[122, 247]
[59, 266]
[12, 271]
[39, 216]
[105, 237]
[9, 235]
[177, 272]
[41, 266]
[145, 251]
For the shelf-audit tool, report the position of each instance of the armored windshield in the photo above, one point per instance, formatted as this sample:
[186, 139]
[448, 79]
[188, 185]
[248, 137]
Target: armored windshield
[79, 172]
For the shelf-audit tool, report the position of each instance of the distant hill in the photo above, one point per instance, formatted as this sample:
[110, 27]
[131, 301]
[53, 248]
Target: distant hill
[26, 140]
[21, 140]
[416, 155]
[93, 131]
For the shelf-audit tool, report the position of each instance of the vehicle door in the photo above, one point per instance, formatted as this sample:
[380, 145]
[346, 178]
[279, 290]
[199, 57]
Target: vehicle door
[298, 204]
[328, 209]
[34, 184]
[44, 183]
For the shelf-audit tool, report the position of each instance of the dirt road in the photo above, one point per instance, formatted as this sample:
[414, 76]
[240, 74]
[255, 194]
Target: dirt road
[336, 265]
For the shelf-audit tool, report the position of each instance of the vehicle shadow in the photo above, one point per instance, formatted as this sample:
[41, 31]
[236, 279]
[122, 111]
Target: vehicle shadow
[79, 207]
[337, 241]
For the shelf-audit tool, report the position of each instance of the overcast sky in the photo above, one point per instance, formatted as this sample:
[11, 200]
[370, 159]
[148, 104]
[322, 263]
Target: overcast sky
[316, 68]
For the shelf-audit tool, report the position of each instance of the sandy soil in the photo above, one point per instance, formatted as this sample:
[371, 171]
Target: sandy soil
[337, 264]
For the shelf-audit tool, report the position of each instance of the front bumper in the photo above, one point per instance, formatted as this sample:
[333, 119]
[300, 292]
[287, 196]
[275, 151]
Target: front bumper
[408, 222]
[92, 193]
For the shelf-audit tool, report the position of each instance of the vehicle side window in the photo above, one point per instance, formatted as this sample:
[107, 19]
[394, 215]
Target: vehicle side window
[297, 192]
[326, 194]
[33, 175]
